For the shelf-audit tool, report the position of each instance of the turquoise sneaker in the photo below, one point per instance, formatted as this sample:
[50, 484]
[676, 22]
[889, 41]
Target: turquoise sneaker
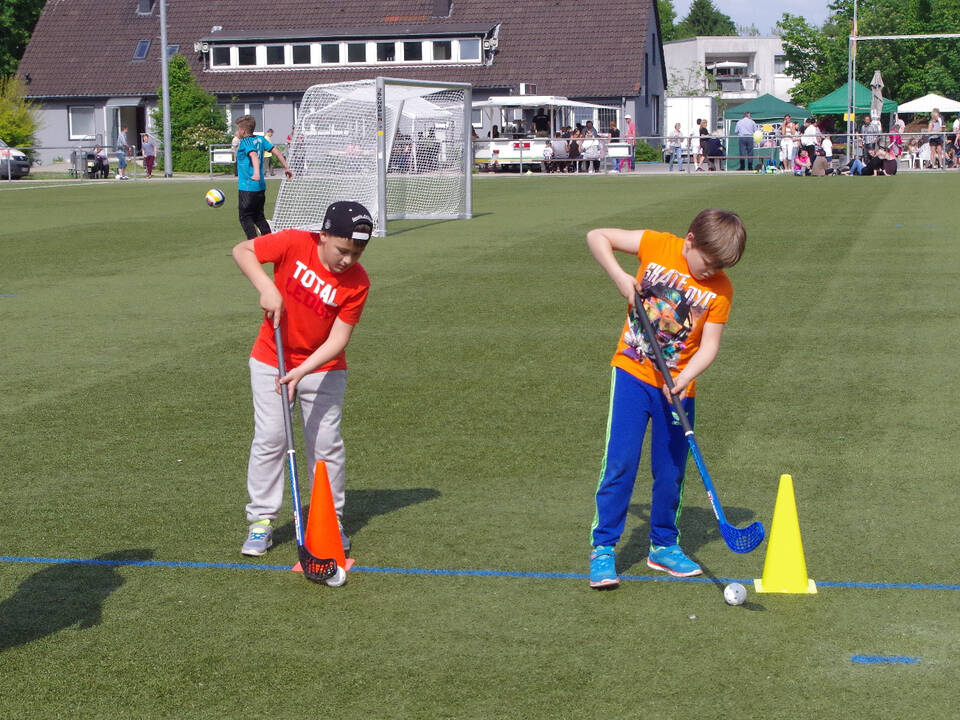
[603, 570]
[671, 559]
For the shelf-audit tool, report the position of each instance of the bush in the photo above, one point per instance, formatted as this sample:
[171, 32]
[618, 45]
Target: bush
[644, 152]
[17, 120]
[191, 160]
[196, 120]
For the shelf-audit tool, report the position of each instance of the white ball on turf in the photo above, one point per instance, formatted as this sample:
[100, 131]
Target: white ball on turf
[339, 578]
[215, 197]
[734, 594]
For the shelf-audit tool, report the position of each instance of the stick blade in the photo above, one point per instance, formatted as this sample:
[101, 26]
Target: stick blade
[742, 540]
[316, 569]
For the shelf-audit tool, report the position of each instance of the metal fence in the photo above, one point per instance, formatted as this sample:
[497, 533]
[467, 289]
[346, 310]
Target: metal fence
[76, 161]
[529, 154]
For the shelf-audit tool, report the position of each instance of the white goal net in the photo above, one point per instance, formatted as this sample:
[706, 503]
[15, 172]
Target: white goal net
[399, 147]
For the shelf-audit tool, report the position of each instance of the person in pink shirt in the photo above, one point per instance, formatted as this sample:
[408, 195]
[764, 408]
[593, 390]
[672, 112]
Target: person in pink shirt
[630, 134]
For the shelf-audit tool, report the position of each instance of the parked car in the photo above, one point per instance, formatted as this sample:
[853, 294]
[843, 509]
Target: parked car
[13, 163]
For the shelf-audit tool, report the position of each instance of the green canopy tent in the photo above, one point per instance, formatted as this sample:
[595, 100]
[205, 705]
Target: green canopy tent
[763, 109]
[836, 102]
[767, 107]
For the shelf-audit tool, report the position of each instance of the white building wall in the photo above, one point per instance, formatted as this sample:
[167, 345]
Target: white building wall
[758, 53]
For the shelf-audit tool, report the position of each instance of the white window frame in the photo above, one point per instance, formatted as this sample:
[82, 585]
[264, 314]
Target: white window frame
[433, 55]
[459, 50]
[338, 46]
[345, 57]
[310, 53]
[283, 54]
[370, 48]
[228, 111]
[396, 52]
[257, 60]
[229, 62]
[93, 122]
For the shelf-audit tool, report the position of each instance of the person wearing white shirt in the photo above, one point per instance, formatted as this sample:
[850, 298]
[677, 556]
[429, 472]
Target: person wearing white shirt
[676, 148]
[809, 138]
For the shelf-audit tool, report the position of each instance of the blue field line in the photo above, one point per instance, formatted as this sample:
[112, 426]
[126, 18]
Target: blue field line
[884, 660]
[527, 575]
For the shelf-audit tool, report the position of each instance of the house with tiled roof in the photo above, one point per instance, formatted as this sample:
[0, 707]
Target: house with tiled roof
[93, 66]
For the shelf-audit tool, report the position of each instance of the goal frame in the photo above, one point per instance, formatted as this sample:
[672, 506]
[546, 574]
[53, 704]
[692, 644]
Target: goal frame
[384, 147]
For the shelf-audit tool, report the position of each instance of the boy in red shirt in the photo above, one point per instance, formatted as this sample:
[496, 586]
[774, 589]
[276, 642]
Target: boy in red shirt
[316, 295]
[687, 297]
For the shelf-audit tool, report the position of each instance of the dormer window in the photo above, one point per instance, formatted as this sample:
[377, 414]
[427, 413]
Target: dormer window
[143, 47]
[227, 55]
[413, 51]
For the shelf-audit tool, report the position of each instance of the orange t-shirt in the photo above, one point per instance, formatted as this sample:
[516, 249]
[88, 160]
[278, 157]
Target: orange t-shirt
[313, 297]
[678, 307]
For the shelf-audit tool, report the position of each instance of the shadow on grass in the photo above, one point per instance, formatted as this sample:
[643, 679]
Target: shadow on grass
[361, 506]
[431, 223]
[698, 527]
[61, 596]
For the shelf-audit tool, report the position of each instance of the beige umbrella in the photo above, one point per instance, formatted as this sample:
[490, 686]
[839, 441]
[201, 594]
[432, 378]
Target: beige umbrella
[876, 95]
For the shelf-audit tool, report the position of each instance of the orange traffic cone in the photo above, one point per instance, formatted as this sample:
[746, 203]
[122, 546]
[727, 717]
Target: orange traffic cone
[322, 536]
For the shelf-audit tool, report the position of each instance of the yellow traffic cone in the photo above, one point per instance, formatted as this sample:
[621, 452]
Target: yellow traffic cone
[784, 569]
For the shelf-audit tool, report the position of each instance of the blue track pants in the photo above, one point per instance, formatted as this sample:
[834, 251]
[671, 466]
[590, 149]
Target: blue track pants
[633, 405]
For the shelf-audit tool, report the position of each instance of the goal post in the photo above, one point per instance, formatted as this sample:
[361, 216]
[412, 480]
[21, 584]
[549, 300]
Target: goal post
[401, 147]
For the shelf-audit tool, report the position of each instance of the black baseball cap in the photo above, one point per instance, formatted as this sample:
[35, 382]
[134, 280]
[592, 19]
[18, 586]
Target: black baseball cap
[348, 220]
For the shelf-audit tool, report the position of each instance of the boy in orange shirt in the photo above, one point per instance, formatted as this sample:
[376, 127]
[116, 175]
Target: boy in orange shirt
[687, 297]
[316, 294]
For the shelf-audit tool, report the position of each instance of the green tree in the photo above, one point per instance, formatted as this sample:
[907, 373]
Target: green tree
[705, 19]
[817, 57]
[17, 18]
[196, 120]
[18, 121]
[668, 18]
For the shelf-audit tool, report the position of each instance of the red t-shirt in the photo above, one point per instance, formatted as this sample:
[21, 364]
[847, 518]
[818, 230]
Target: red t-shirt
[678, 307]
[313, 297]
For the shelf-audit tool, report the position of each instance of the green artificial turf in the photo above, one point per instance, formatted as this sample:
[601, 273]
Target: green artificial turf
[474, 423]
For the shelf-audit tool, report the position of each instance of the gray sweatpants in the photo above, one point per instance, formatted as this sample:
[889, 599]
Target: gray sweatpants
[321, 401]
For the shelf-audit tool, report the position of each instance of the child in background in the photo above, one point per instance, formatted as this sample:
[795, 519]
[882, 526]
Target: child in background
[149, 151]
[913, 152]
[251, 185]
[801, 165]
[548, 158]
[688, 299]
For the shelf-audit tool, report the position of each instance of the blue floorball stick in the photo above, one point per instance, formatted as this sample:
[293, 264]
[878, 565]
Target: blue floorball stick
[740, 540]
[320, 570]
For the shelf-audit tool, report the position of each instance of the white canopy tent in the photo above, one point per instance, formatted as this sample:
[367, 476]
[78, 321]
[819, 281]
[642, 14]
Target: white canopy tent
[556, 106]
[726, 65]
[532, 101]
[928, 102]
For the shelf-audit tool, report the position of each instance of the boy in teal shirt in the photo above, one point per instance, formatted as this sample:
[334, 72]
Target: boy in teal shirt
[251, 186]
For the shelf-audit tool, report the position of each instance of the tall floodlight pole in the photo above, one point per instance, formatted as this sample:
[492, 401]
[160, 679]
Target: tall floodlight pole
[165, 90]
[851, 83]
